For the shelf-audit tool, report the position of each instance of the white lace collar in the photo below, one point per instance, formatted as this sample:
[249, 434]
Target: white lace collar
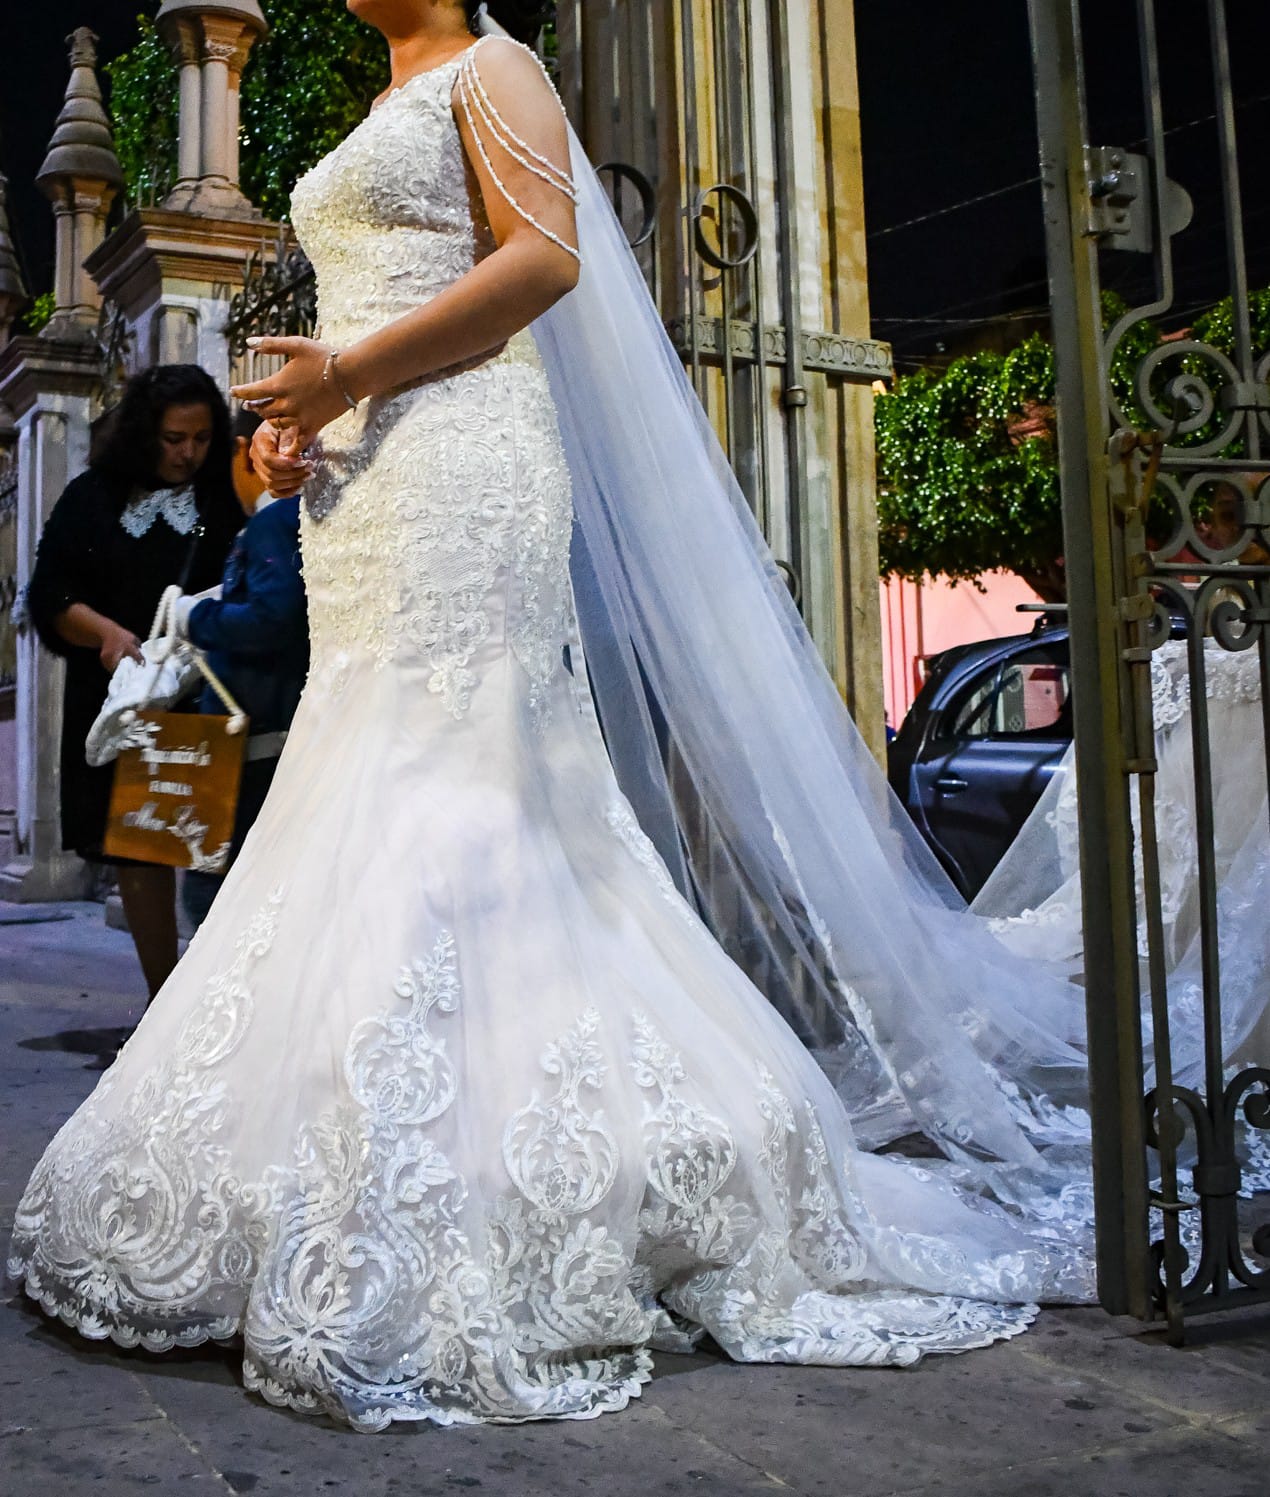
[177, 506]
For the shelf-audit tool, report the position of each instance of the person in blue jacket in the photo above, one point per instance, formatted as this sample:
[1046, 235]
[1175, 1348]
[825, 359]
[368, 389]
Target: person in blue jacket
[256, 638]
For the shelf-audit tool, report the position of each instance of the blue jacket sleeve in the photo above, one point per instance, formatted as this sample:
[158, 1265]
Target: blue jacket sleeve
[267, 612]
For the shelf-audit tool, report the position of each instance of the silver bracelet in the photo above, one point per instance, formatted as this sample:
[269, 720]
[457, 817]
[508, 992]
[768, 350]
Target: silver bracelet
[331, 376]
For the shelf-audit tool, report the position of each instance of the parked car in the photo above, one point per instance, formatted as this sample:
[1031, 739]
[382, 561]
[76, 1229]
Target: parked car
[980, 743]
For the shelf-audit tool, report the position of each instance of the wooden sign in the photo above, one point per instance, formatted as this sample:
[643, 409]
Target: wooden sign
[176, 791]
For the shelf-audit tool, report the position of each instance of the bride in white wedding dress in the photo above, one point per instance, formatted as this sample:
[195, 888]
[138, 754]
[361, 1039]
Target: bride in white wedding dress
[454, 1109]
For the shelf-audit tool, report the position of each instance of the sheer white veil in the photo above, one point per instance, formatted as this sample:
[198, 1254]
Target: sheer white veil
[731, 742]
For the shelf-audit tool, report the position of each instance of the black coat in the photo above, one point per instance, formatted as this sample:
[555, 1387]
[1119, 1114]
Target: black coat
[86, 556]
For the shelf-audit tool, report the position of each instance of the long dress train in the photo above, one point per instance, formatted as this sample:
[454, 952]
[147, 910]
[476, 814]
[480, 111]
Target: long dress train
[454, 1109]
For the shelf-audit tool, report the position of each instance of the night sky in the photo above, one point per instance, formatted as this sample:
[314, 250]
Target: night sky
[948, 116]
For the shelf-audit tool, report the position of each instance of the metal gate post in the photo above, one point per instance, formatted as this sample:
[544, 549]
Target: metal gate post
[1097, 637]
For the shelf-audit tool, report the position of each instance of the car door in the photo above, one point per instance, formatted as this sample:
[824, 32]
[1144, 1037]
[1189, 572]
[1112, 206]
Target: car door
[990, 753]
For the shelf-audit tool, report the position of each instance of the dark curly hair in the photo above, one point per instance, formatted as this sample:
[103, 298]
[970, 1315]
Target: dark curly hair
[125, 451]
[524, 19]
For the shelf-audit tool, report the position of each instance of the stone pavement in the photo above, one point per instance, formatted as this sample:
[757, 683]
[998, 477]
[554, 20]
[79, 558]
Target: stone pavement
[1082, 1405]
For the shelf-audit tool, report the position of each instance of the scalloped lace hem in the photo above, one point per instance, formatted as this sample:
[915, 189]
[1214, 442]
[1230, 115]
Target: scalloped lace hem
[94, 1328]
[987, 1324]
[602, 1398]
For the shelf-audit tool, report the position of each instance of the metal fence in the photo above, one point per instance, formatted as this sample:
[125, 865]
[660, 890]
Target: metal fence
[1166, 494]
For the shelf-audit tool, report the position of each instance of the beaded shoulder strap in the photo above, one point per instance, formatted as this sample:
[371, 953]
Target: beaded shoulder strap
[482, 113]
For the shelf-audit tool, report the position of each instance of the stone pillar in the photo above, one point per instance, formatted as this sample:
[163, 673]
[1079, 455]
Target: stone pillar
[51, 385]
[183, 43]
[172, 274]
[233, 131]
[80, 177]
[210, 41]
[215, 118]
[12, 296]
[839, 294]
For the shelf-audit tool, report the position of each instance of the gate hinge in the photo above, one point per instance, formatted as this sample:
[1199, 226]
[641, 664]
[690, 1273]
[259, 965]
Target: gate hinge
[1121, 210]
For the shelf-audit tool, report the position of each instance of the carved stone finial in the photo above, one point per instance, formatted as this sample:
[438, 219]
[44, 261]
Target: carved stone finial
[83, 44]
[12, 289]
[81, 147]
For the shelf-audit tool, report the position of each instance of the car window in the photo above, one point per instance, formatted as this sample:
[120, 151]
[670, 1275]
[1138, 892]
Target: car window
[1026, 695]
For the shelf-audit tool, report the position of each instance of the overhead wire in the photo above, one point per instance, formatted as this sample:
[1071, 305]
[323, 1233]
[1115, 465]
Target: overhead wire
[996, 192]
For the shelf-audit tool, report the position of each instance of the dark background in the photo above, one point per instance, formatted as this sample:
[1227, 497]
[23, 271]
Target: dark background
[948, 117]
[952, 195]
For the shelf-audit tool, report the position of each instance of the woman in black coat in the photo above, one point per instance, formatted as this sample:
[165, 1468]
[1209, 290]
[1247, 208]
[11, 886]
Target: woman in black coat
[156, 506]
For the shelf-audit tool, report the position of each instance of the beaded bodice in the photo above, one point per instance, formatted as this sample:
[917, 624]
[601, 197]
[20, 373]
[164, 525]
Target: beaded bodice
[437, 525]
[392, 215]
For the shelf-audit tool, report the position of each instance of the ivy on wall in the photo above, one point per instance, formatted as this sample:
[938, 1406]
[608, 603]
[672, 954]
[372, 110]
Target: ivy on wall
[143, 108]
[967, 471]
[967, 464]
[306, 84]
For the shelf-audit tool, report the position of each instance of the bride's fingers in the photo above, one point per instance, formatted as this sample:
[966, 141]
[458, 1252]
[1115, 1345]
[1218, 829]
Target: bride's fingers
[286, 348]
[279, 409]
[286, 481]
[257, 393]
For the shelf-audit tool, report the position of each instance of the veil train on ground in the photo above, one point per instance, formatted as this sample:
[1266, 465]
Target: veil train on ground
[730, 739]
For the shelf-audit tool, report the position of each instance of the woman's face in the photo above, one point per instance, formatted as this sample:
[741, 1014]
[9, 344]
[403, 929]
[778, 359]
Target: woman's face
[184, 439]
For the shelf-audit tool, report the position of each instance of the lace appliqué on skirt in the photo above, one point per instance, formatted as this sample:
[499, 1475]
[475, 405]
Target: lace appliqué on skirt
[139, 1229]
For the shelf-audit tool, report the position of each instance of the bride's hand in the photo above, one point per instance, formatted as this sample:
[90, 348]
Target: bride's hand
[296, 397]
[283, 467]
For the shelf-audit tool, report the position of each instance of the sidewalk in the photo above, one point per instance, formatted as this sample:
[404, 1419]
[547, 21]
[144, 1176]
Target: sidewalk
[1081, 1405]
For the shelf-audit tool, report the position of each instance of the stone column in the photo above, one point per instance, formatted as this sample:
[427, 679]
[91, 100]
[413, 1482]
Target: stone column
[210, 41]
[172, 270]
[12, 290]
[51, 385]
[12, 296]
[214, 122]
[183, 43]
[840, 299]
[80, 177]
[233, 122]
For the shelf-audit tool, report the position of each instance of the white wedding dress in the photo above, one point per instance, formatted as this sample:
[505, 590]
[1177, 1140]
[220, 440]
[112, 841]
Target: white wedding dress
[454, 1109]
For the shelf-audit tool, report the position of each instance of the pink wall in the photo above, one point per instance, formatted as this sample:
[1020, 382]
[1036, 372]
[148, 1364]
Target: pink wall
[922, 620]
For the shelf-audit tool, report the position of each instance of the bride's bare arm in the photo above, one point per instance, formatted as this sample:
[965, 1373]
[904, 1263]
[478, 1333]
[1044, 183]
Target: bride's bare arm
[515, 137]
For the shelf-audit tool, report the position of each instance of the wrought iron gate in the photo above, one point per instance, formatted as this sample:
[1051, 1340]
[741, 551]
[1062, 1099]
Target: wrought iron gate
[1165, 459]
[693, 107]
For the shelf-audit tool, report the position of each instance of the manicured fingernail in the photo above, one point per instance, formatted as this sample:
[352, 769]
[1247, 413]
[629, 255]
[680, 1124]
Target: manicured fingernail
[254, 342]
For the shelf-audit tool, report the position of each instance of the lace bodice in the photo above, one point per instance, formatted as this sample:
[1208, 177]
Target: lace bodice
[437, 526]
[392, 215]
